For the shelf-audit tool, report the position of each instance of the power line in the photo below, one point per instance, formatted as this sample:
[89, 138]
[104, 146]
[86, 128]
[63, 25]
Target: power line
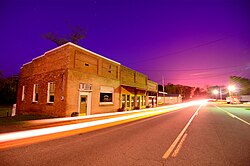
[217, 75]
[180, 51]
[190, 48]
[195, 69]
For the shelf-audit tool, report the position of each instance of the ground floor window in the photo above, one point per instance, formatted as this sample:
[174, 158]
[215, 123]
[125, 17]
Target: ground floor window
[132, 101]
[51, 92]
[123, 100]
[138, 101]
[35, 93]
[128, 100]
[23, 91]
[106, 95]
[144, 101]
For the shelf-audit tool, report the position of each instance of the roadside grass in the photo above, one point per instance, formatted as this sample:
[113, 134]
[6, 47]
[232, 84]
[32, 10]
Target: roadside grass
[5, 110]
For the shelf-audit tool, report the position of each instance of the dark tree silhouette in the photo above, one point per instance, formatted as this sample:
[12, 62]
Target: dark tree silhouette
[242, 84]
[77, 33]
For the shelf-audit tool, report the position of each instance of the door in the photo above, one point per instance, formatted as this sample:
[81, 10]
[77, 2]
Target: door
[83, 104]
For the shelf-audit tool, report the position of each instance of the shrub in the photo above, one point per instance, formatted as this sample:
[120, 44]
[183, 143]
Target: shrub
[74, 114]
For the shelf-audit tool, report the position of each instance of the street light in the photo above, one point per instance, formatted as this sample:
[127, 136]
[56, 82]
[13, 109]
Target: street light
[215, 92]
[231, 88]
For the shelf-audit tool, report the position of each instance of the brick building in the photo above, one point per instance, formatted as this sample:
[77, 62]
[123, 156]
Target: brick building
[71, 79]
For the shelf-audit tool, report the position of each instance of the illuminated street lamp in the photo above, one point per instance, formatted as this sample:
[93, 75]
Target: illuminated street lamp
[215, 92]
[231, 88]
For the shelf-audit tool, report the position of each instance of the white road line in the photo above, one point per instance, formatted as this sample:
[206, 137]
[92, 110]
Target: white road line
[171, 148]
[233, 116]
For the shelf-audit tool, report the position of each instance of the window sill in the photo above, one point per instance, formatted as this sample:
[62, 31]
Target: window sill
[106, 103]
[50, 103]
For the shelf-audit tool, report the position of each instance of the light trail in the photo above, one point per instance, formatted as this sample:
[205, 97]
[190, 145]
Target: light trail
[58, 129]
[54, 120]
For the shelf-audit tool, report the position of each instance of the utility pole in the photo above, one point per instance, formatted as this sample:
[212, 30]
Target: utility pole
[163, 84]
[220, 94]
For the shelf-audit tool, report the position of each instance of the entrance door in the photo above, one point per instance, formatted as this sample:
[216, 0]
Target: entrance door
[83, 104]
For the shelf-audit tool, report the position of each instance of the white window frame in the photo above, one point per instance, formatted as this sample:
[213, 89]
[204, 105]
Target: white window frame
[34, 93]
[48, 92]
[107, 89]
[23, 90]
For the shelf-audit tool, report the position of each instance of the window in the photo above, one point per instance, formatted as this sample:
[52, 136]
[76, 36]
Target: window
[51, 92]
[35, 93]
[138, 101]
[142, 99]
[106, 95]
[128, 100]
[132, 101]
[123, 101]
[23, 90]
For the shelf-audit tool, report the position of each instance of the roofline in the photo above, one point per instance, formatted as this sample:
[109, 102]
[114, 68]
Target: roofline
[84, 49]
[135, 71]
[72, 44]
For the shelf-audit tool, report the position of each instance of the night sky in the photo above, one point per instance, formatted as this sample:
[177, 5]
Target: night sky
[189, 42]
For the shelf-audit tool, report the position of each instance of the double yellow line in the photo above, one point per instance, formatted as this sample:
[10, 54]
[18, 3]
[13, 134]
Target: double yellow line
[180, 138]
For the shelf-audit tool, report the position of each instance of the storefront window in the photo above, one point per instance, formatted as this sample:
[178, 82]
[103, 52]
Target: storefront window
[138, 101]
[123, 100]
[106, 95]
[128, 100]
[132, 101]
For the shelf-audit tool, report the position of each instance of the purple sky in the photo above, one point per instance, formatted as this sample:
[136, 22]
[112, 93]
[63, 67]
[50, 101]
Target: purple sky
[190, 42]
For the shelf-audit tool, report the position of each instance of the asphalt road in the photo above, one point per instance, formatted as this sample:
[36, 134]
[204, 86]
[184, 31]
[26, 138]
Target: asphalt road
[211, 137]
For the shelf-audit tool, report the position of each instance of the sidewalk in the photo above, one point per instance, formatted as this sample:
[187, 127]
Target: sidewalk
[52, 122]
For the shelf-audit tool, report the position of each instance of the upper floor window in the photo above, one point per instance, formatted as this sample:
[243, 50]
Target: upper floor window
[35, 93]
[51, 92]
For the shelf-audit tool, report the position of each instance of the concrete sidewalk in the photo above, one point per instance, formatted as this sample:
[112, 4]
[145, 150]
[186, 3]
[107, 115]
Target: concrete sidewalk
[52, 122]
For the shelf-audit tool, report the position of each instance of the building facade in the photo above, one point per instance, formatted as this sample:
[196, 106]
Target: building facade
[165, 98]
[70, 79]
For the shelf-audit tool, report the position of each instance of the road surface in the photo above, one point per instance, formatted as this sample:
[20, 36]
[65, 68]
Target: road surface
[197, 135]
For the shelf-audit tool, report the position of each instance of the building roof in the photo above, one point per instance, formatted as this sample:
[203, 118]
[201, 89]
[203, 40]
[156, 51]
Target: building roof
[72, 44]
[173, 95]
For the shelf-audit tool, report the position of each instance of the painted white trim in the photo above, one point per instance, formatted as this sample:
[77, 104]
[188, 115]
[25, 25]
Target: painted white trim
[48, 92]
[88, 94]
[26, 63]
[106, 103]
[72, 44]
[23, 89]
[34, 93]
[84, 49]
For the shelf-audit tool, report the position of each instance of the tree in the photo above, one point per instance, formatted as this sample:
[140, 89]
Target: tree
[242, 84]
[77, 33]
[8, 89]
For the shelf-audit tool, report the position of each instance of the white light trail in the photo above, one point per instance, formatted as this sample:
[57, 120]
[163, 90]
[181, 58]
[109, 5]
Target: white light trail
[52, 130]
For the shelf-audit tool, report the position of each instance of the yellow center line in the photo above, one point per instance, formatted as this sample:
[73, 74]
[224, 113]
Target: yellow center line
[179, 146]
[171, 148]
[233, 116]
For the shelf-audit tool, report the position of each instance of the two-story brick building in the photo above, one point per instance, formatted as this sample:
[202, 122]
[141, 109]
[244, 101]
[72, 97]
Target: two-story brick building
[71, 79]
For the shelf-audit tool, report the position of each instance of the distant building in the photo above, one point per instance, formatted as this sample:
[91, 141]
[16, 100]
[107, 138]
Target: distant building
[165, 98]
[72, 79]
